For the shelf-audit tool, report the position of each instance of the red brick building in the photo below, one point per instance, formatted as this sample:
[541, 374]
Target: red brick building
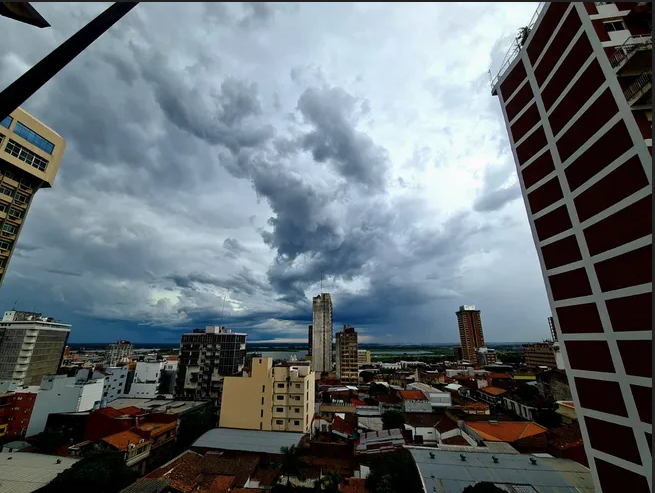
[576, 98]
[15, 413]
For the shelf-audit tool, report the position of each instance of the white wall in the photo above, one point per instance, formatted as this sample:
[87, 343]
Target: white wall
[144, 390]
[148, 371]
[115, 382]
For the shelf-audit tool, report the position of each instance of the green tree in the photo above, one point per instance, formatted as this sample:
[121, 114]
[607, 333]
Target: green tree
[194, 425]
[392, 473]
[483, 487]
[102, 471]
[289, 465]
[392, 419]
[49, 441]
[329, 483]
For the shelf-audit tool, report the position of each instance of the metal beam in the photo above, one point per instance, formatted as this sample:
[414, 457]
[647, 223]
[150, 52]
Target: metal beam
[31, 81]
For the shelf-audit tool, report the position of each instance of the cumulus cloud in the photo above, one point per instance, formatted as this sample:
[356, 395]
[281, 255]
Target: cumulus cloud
[222, 159]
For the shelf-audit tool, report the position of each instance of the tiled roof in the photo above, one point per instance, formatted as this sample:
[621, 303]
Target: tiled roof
[222, 483]
[505, 431]
[445, 424]
[412, 395]
[353, 485]
[388, 399]
[121, 440]
[242, 466]
[456, 440]
[476, 405]
[499, 375]
[172, 358]
[423, 420]
[356, 402]
[493, 390]
[110, 412]
[157, 428]
[183, 468]
[130, 410]
[340, 425]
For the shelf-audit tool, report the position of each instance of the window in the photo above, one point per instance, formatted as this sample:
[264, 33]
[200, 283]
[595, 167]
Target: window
[263, 388]
[279, 422]
[7, 121]
[33, 138]
[8, 229]
[296, 423]
[279, 397]
[24, 154]
[297, 385]
[297, 410]
[261, 413]
[280, 385]
[279, 409]
[21, 199]
[6, 190]
[609, 26]
[9, 175]
[262, 401]
[15, 213]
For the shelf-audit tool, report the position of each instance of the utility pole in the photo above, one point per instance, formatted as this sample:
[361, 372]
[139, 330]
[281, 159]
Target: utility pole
[31, 81]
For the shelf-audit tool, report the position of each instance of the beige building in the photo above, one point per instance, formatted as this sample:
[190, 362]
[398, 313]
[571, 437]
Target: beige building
[347, 356]
[279, 398]
[363, 356]
[30, 155]
[539, 354]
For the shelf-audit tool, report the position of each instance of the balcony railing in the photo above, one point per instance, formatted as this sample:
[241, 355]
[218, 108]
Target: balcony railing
[639, 83]
[632, 44]
[514, 49]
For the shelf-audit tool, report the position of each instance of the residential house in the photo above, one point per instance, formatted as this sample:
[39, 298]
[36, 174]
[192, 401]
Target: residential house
[415, 401]
[437, 398]
[524, 435]
[491, 395]
[378, 442]
[135, 448]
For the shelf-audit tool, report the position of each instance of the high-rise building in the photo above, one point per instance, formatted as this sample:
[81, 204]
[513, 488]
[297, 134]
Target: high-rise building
[485, 356]
[118, 352]
[457, 353]
[31, 347]
[576, 97]
[309, 342]
[470, 332]
[279, 398]
[363, 357]
[347, 355]
[539, 354]
[551, 326]
[30, 155]
[322, 333]
[207, 356]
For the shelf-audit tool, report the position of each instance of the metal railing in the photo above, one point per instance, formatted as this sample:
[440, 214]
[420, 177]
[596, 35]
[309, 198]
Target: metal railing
[639, 83]
[631, 44]
[515, 48]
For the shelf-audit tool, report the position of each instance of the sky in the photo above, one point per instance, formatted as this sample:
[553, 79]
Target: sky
[222, 158]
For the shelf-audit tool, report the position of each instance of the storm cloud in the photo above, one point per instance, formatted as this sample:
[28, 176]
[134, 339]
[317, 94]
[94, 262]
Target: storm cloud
[223, 159]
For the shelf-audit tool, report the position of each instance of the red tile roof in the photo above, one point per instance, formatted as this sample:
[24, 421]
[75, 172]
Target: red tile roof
[356, 402]
[493, 390]
[121, 440]
[222, 483]
[505, 431]
[412, 395]
[499, 375]
[172, 358]
[340, 425]
[456, 440]
[476, 405]
[130, 411]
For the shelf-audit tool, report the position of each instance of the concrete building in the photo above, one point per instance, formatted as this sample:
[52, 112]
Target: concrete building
[30, 155]
[118, 352]
[437, 398]
[206, 357]
[279, 398]
[540, 354]
[363, 357]
[347, 356]
[168, 375]
[147, 377]
[115, 380]
[470, 331]
[322, 333]
[62, 394]
[458, 355]
[577, 102]
[553, 331]
[485, 356]
[31, 347]
[310, 331]
[27, 472]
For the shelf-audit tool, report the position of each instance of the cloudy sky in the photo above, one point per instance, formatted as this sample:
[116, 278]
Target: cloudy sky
[221, 156]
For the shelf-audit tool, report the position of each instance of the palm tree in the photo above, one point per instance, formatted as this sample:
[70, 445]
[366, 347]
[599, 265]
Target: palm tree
[329, 483]
[289, 464]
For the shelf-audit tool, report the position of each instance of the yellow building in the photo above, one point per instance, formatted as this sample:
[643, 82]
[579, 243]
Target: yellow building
[347, 356]
[30, 155]
[279, 398]
[363, 356]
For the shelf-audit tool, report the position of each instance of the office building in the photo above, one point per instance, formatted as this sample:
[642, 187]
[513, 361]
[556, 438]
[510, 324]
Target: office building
[147, 378]
[363, 357]
[322, 333]
[279, 398]
[30, 155]
[31, 346]
[347, 356]
[470, 332]
[576, 98]
[539, 354]
[118, 352]
[485, 356]
[206, 357]
[309, 343]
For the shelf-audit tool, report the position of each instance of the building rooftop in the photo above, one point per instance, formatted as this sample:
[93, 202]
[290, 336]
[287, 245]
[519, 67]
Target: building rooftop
[505, 431]
[412, 395]
[27, 472]
[122, 439]
[493, 390]
[446, 472]
[376, 442]
[268, 442]
[157, 428]
[423, 420]
[167, 406]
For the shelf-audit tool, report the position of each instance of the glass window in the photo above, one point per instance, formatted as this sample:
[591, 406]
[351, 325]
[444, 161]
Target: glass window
[296, 423]
[279, 422]
[279, 410]
[7, 121]
[280, 397]
[614, 26]
[6, 190]
[25, 155]
[280, 385]
[8, 228]
[33, 138]
[15, 213]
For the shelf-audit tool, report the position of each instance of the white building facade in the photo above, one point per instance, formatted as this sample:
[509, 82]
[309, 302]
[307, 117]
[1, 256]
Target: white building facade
[147, 377]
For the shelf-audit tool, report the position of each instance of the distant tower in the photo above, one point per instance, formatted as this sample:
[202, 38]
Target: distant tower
[470, 331]
[322, 333]
[309, 342]
[347, 357]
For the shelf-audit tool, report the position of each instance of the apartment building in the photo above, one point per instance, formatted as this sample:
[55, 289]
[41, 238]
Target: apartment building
[207, 356]
[147, 378]
[322, 333]
[363, 357]
[279, 398]
[31, 346]
[347, 356]
[310, 331]
[30, 155]
[539, 354]
[576, 98]
[470, 332]
[485, 356]
[118, 352]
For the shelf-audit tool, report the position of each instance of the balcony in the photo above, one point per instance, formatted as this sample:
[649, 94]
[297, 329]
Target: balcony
[639, 93]
[634, 56]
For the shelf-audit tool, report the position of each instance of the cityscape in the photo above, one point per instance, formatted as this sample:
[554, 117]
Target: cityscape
[319, 388]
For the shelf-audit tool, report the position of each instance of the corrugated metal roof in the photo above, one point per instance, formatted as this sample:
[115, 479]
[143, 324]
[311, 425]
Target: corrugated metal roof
[268, 442]
[27, 472]
[445, 471]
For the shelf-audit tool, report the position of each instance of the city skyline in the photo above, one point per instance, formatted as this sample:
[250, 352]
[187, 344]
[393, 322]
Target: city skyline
[380, 185]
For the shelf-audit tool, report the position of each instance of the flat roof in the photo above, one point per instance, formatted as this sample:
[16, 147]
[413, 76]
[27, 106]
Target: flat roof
[268, 442]
[168, 406]
[446, 472]
[27, 472]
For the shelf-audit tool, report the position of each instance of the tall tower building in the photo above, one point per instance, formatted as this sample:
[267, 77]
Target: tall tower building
[309, 342]
[31, 347]
[30, 155]
[207, 356]
[576, 97]
[470, 332]
[322, 333]
[347, 355]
